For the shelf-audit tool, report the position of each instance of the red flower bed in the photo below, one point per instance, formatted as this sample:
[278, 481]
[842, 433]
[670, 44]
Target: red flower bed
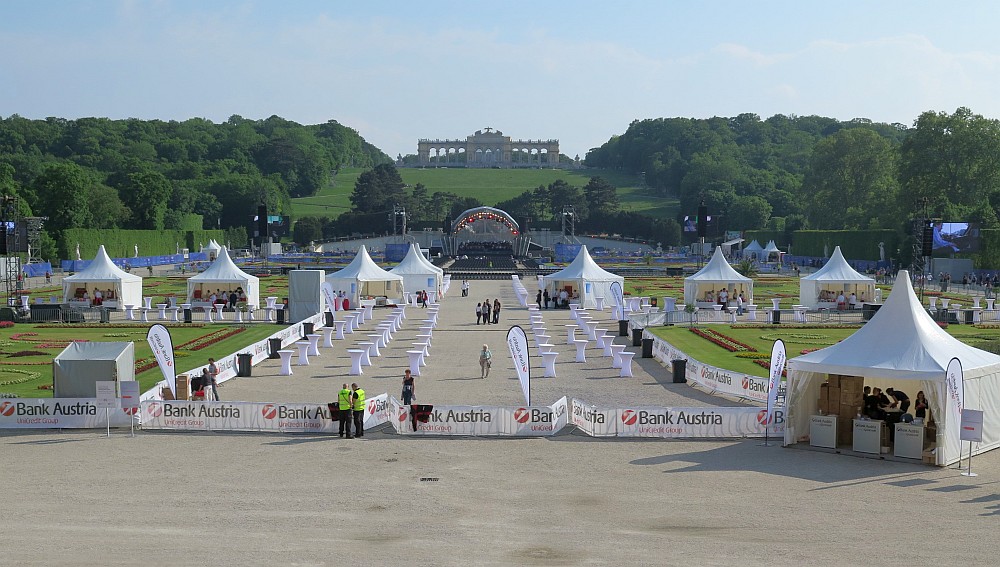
[724, 341]
[766, 363]
[211, 338]
[27, 353]
[6, 324]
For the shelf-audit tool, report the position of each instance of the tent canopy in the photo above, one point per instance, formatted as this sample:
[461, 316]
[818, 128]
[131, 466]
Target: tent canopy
[364, 278]
[102, 274]
[901, 343]
[585, 277]
[770, 249]
[225, 275]
[716, 275]
[417, 272]
[835, 277]
[80, 365]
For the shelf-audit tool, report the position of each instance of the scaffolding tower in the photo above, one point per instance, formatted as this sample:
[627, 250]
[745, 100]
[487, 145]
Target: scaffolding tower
[10, 245]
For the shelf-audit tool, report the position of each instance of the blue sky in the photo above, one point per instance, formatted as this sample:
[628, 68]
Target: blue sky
[578, 71]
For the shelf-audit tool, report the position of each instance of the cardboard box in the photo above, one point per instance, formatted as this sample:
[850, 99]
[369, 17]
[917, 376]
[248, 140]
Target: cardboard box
[834, 380]
[848, 410]
[166, 394]
[183, 391]
[833, 395]
[823, 406]
[854, 384]
[852, 398]
[824, 391]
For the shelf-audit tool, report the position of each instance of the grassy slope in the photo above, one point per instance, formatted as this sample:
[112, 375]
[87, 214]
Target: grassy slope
[490, 186]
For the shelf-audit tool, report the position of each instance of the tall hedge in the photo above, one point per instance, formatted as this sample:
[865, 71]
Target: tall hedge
[855, 244]
[121, 243]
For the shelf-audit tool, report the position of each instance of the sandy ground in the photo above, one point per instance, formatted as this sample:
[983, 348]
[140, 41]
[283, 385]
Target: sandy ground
[78, 498]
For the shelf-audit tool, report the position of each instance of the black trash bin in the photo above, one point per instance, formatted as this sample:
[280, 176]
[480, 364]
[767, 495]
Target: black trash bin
[647, 348]
[308, 329]
[273, 346]
[328, 319]
[187, 315]
[623, 328]
[637, 337]
[281, 316]
[968, 316]
[105, 315]
[680, 368]
[776, 316]
[244, 362]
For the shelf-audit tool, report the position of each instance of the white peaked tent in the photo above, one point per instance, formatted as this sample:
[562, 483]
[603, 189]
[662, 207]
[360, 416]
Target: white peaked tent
[753, 250]
[770, 249]
[364, 278]
[224, 275]
[716, 274]
[585, 277]
[102, 274]
[417, 272]
[821, 288]
[903, 348]
[212, 249]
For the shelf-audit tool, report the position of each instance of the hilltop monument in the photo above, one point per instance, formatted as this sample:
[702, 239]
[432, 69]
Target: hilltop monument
[488, 148]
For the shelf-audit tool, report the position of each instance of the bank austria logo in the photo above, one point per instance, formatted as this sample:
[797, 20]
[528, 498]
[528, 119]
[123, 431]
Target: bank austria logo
[155, 409]
[402, 414]
[754, 384]
[629, 417]
[777, 417]
[522, 415]
[375, 406]
[269, 411]
[7, 409]
[130, 411]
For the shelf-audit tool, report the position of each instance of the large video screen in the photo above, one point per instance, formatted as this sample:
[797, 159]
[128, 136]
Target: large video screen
[951, 238]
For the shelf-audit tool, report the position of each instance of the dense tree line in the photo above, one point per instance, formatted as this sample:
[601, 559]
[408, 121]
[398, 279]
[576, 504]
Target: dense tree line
[791, 172]
[153, 174]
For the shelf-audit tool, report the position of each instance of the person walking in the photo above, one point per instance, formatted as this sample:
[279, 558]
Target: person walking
[465, 288]
[538, 298]
[346, 414]
[213, 372]
[485, 361]
[496, 311]
[486, 312]
[545, 298]
[479, 312]
[408, 393]
[358, 397]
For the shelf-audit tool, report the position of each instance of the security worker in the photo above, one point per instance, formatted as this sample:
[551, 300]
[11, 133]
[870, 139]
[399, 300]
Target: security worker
[359, 410]
[344, 398]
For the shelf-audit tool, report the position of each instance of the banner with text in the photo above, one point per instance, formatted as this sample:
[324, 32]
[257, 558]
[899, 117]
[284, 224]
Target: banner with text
[725, 382]
[524, 421]
[677, 423]
[61, 413]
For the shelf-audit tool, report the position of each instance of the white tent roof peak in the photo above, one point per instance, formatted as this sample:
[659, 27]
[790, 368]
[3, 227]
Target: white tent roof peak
[101, 268]
[363, 268]
[771, 247]
[222, 268]
[213, 245]
[415, 263]
[718, 269]
[901, 341]
[753, 247]
[583, 267]
[838, 270]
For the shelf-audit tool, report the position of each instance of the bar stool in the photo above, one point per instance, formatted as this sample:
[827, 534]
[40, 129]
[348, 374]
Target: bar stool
[173, 314]
[581, 347]
[250, 310]
[426, 338]
[339, 326]
[313, 343]
[541, 339]
[130, 312]
[218, 308]
[286, 362]
[616, 359]
[600, 303]
[349, 321]
[592, 330]
[549, 363]
[608, 341]
[303, 353]
[375, 340]
[162, 307]
[423, 344]
[571, 333]
[144, 314]
[422, 348]
[366, 348]
[626, 358]
[415, 357]
[356, 355]
[751, 312]
[147, 302]
[328, 336]
[239, 314]
[601, 338]
[208, 314]
[379, 339]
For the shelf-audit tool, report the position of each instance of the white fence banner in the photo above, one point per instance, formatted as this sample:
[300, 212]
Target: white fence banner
[376, 411]
[61, 413]
[524, 421]
[596, 422]
[707, 422]
[711, 378]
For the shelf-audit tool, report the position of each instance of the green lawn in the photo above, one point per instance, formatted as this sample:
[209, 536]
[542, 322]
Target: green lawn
[490, 186]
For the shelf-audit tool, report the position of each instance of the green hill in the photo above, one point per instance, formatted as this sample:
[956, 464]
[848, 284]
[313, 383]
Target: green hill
[490, 186]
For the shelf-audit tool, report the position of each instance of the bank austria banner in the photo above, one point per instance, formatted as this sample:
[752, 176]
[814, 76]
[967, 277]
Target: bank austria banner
[253, 416]
[711, 378]
[676, 423]
[58, 413]
[522, 421]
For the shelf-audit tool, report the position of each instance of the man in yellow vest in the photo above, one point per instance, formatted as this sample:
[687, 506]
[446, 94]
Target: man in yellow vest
[359, 410]
[344, 399]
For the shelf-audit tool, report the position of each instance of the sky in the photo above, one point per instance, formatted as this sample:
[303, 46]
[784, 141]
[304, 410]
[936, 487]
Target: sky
[578, 71]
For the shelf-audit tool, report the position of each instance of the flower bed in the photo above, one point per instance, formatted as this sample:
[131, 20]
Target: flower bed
[211, 338]
[766, 363]
[724, 341]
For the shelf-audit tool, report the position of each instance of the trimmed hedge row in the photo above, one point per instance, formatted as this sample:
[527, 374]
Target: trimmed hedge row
[121, 243]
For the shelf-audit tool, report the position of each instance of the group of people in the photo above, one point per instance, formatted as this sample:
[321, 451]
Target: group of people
[877, 403]
[230, 299]
[205, 386]
[351, 409]
[99, 296]
[487, 313]
[559, 300]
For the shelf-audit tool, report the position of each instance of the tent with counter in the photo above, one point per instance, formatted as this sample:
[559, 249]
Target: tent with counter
[364, 279]
[223, 275]
[901, 347]
[753, 251]
[584, 277]
[418, 273]
[771, 250]
[820, 289]
[103, 275]
[702, 288]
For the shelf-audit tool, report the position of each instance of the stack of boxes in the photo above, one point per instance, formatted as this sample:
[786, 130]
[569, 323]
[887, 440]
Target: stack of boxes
[842, 396]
